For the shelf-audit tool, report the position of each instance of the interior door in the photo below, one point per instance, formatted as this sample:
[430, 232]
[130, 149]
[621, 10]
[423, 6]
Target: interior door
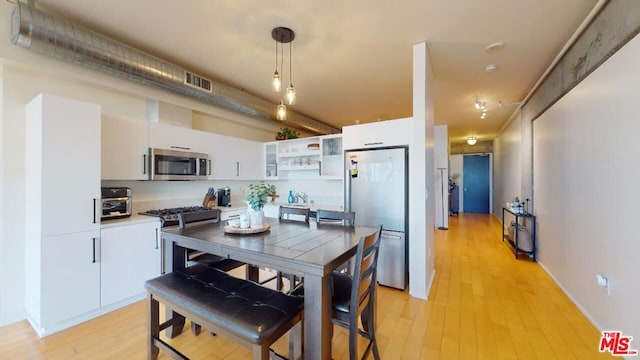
[476, 183]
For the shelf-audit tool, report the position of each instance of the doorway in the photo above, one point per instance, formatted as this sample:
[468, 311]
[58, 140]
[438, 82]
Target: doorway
[476, 179]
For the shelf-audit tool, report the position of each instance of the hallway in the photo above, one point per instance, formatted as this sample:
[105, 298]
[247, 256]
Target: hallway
[483, 305]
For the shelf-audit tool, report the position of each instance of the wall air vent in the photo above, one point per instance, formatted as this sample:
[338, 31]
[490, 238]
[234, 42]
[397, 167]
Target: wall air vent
[197, 81]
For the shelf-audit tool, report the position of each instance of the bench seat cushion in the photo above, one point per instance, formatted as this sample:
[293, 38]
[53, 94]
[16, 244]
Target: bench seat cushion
[249, 310]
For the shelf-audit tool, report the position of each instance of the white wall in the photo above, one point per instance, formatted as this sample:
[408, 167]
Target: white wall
[585, 189]
[421, 185]
[2, 252]
[507, 165]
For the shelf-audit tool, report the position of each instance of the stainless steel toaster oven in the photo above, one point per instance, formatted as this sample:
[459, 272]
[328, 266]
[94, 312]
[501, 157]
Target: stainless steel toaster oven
[116, 202]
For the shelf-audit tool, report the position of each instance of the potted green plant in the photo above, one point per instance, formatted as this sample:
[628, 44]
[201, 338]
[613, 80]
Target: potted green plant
[286, 133]
[256, 198]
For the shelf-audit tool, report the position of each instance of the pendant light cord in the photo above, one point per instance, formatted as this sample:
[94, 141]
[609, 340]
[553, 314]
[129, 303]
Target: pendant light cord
[281, 59]
[290, 64]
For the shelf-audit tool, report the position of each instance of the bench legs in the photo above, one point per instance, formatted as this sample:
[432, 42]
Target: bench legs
[295, 341]
[153, 324]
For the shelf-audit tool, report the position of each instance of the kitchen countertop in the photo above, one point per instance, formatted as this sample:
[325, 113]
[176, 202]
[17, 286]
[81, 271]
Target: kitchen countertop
[133, 219]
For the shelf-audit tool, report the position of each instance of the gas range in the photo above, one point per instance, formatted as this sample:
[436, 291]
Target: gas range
[170, 216]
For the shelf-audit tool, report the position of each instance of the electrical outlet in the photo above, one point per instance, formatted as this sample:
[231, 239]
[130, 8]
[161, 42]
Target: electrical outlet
[604, 282]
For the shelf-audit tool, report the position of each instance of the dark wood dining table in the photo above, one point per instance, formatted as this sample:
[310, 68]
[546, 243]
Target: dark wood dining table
[310, 250]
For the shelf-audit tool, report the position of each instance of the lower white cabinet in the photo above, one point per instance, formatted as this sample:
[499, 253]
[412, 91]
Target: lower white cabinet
[69, 283]
[130, 255]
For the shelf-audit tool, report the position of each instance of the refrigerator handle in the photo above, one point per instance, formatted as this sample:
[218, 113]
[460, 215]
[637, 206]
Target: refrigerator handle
[347, 190]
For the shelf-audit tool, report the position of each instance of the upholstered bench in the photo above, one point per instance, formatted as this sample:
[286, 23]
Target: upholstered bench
[239, 309]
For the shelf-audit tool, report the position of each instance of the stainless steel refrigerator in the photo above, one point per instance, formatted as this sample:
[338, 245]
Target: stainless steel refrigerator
[376, 189]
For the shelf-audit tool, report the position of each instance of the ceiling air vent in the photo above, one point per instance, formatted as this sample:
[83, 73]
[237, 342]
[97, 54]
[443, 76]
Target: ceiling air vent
[197, 81]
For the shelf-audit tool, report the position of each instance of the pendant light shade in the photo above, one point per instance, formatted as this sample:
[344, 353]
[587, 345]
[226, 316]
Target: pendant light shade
[281, 112]
[291, 95]
[471, 140]
[276, 82]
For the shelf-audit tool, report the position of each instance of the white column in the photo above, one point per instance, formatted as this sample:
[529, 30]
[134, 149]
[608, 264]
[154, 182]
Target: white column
[441, 176]
[421, 185]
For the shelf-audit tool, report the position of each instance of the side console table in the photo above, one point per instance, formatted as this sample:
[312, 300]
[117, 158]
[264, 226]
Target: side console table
[514, 242]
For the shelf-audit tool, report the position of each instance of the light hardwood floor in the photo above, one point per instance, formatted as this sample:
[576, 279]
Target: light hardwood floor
[483, 304]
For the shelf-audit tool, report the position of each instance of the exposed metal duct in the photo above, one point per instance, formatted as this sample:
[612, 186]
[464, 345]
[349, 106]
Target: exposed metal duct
[39, 31]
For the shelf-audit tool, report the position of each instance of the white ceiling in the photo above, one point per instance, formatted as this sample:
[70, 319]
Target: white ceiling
[352, 60]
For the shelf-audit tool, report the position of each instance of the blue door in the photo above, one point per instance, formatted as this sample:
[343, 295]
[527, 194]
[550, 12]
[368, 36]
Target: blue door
[475, 171]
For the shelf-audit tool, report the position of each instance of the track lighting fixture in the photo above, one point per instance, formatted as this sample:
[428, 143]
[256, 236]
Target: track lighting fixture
[480, 105]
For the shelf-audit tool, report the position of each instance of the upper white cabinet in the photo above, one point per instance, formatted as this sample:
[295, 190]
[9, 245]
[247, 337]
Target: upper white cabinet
[236, 159]
[377, 134]
[173, 137]
[62, 208]
[63, 165]
[130, 254]
[331, 163]
[306, 158]
[125, 149]
[271, 160]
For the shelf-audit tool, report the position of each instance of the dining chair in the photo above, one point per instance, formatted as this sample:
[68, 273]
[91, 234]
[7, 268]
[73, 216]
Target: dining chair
[284, 215]
[338, 218]
[344, 218]
[196, 257]
[287, 211]
[355, 297]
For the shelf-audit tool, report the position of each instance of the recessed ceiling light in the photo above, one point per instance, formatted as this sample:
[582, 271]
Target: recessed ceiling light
[496, 46]
[490, 68]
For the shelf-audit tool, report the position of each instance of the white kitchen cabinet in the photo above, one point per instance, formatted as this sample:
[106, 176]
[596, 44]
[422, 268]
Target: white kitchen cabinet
[163, 136]
[70, 279]
[299, 159]
[270, 161]
[125, 149]
[62, 210]
[377, 134]
[331, 160]
[130, 255]
[236, 159]
[305, 158]
[63, 164]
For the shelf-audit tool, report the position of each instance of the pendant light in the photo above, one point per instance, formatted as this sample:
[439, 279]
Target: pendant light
[275, 80]
[283, 35]
[281, 112]
[471, 140]
[291, 92]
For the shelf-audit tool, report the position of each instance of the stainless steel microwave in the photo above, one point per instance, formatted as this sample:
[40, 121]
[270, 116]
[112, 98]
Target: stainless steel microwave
[168, 164]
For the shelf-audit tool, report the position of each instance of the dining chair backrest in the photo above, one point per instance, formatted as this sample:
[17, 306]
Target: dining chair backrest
[286, 211]
[345, 218]
[211, 215]
[364, 276]
[354, 297]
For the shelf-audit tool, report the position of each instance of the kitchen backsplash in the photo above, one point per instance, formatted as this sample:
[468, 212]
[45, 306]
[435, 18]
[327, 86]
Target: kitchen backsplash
[164, 194]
